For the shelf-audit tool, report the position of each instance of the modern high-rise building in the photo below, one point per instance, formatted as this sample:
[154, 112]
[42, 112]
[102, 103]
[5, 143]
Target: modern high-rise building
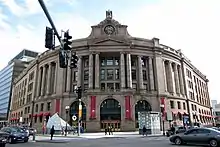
[8, 74]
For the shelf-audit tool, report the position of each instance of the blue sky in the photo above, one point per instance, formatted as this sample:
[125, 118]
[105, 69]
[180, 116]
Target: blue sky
[192, 26]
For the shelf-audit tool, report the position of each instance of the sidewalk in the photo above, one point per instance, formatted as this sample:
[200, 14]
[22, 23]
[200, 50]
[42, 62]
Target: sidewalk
[69, 137]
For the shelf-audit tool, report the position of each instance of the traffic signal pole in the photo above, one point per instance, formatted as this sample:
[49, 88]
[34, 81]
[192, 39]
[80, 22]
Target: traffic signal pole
[43, 6]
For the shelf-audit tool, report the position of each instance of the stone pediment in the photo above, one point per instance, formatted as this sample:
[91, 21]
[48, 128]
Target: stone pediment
[108, 42]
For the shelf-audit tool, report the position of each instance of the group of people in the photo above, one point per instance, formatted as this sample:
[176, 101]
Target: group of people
[109, 130]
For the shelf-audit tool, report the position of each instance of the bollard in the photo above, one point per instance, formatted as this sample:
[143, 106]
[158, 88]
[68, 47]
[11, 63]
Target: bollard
[33, 136]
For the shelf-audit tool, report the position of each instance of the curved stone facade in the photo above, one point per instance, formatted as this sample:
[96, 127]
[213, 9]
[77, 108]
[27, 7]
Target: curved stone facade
[117, 72]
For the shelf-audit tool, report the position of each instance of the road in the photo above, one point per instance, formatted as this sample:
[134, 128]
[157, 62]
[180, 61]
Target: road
[107, 142]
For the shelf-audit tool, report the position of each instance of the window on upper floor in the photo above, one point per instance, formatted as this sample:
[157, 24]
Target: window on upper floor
[143, 62]
[192, 107]
[178, 105]
[117, 60]
[30, 87]
[109, 61]
[110, 75]
[133, 74]
[117, 75]
[134, 62]
[31, 76]
[144, 75]
[75, 75]
[86, 62]
[48, 106]
[86, 75]
[184, 106]
[172, 106]
[36, 108]
[42, 107]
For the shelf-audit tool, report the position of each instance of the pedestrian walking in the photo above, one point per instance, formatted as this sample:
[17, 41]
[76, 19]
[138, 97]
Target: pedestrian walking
[52, 131]
[106, 131]
[144, 130]
[173, 129]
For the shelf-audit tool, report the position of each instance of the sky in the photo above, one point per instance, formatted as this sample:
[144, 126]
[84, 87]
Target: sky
[190, 25]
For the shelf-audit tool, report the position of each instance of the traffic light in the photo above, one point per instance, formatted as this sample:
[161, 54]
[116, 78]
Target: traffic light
[49, 38]
[73, 61]
[79, 92]
[67, 41]
[63, 59]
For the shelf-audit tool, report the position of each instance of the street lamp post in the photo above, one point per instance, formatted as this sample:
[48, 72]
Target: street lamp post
[163, 118]
[67, 110]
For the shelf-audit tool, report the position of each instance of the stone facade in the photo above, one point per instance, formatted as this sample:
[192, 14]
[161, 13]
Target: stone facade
[113, 66]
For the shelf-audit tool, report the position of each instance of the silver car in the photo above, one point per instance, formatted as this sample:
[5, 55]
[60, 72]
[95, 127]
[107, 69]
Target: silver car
[198, 136]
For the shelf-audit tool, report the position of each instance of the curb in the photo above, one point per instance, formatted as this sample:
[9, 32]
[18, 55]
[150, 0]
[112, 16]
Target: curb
[53, 141]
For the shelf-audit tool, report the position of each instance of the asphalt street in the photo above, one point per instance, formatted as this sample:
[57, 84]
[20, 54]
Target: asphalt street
[107, 142]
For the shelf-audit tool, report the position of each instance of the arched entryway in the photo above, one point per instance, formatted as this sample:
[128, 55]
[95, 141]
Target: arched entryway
[110, 114]
[141, 106]
[74, 110]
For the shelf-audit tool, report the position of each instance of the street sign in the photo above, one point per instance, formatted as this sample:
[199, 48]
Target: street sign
[74, 117]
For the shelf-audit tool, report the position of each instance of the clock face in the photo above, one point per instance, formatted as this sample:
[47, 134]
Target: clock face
[109, 30]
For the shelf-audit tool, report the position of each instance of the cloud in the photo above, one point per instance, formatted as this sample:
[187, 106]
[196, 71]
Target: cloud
[192, 26]
[27, 8]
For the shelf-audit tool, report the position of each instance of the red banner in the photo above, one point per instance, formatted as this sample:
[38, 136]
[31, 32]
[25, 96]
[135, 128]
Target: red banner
[93, 107]
[127, 107]
[57, 108]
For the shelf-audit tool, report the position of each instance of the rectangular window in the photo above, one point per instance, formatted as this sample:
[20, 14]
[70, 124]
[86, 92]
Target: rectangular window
[110, 86]
[133, 73]
[116, 74]
[117, 86]
[184, 106]
[48, 106]
[42, 107]
[103, 86]
[86, 63]
[36, 108]
[109, 74]
[109, 61]
[178, 105]
[172, 105]
[133, 62]
[117, 61]
[75, 76]
[143, 61]
[145, 87]
[102, 74]
[192, 107]
[144, 75]
[86, 87]
[134, 86]
[103, 62]
[86, 75]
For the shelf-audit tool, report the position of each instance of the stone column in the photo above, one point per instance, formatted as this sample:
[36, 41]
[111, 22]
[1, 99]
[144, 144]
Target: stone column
[68, 78]
[170, 79]
[55, 78]
[79, 72]
[49, 80]
[129, 78]
[43, 80]
[176, 78]
[181, 80]
[151, 73]
[165, 76]
[91, 71]
[140, 75]
[97, 71]
[39, 83]
[122, 70]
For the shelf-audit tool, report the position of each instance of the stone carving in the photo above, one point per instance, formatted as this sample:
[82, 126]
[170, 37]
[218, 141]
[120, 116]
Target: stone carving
[109, 29]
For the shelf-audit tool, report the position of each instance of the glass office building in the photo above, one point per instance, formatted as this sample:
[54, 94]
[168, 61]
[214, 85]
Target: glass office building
[8, 74]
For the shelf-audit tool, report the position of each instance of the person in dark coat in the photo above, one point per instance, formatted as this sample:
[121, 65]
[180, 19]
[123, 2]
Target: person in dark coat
[106, 131]
[144, 130]
[52, 131]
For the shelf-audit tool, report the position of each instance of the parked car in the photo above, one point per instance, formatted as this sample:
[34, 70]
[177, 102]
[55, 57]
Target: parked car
[198, 136]
[16, 134]
[25, 129]
[3, 138]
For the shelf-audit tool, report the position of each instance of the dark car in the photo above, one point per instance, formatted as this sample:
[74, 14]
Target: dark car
[3, 138]
[198, 136]
[16, 134]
